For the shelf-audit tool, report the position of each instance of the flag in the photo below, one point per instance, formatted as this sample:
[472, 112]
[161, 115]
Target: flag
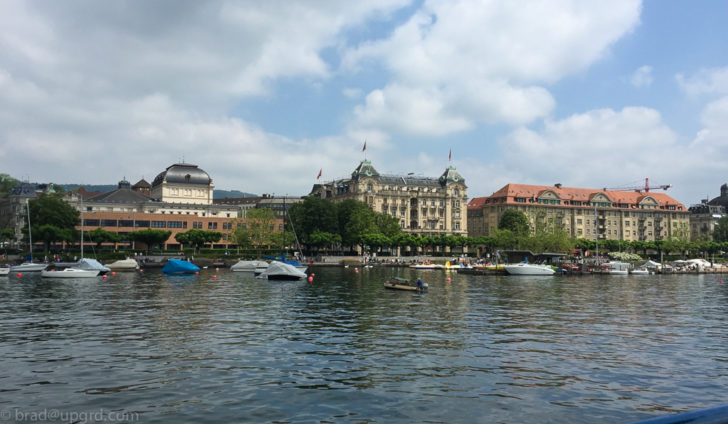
[449, 156]
[364, 149]
[319, 174]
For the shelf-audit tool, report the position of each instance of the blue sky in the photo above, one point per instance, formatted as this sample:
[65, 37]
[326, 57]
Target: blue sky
[262, 95]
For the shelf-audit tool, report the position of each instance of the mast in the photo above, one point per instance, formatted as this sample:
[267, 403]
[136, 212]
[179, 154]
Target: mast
[30, 235]
[81, 226]
[596, 232]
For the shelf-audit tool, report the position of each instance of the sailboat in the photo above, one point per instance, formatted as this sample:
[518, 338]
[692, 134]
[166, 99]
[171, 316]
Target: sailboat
[28, 266]
[84, 268]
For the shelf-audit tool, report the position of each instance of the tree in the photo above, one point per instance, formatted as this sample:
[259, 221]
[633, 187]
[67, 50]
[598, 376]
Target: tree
[516, 222]
[198, 238]
[312, 215]
[52, 210]
[99, 236]
[720, 232]
[49, 234]
[7, 183]
[152, 237]
[320, 239]
[257, 230]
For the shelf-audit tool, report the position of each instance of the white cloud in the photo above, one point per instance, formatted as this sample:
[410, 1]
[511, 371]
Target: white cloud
[705, 81]
[484, 61]
[642, 77]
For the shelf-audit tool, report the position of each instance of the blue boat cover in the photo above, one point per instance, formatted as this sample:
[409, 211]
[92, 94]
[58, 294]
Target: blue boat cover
[178, 266]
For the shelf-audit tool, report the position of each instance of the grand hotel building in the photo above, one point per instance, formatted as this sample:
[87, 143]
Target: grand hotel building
[423, 205]
[584, 212]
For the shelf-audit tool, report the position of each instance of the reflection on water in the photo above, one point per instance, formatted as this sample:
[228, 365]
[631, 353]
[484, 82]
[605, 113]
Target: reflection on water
[479, 348]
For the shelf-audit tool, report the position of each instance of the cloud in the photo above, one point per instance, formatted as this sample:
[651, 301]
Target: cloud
[125, 88]
[705, 81]
[484, 61]
[642, 77]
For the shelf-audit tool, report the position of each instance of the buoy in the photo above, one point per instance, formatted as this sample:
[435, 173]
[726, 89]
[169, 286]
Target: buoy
[104, 276]
[310, 279]
[313, 275]
[356, 270]
[113, 273]
[197, 272]
[214, 277]
[720, 281]
[448, 279]
[141, 270]
[20, 275]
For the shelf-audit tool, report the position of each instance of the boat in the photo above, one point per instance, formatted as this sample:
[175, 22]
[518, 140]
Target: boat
[127, 264]
[28, 267]
[615, 268]
[70, 273]
[525, 268]
[449, 267]
[178, 266]
[426, 265]
[282, 271]
[5, 270]
[248, 266]
[91, 265]
[294, 263]
[640, 271]
[399, 283]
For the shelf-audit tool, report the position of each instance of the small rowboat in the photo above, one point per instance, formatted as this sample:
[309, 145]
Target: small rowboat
[398, 283]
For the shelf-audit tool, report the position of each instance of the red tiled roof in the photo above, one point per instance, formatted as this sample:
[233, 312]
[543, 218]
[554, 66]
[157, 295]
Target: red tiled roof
[511, 191]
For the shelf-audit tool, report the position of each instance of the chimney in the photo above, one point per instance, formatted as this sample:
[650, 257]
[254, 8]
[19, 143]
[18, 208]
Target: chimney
[557, 185]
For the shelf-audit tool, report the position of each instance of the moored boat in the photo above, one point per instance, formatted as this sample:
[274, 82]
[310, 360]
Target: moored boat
[5, 270]
[282, 271]
[127, 264]
[178, 266]
[615, 268]
[399, 283]
[524, 268]
[248, 266]
[70, 273]
[28, 267]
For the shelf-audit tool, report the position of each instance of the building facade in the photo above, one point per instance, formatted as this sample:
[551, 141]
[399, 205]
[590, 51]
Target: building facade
[183, 183]
[704, 216]
[423, 205]
[584, 213]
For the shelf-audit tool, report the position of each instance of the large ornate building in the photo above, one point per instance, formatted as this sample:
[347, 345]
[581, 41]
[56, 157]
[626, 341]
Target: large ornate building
[423, 205]
[183, 183]
[704, 217]
[584, 213]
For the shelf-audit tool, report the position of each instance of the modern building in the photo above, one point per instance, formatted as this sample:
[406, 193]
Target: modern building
[423, 205]
[704, 216]
[584, 212]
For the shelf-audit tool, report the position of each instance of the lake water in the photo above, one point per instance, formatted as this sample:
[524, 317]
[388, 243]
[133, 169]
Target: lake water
[344, 349]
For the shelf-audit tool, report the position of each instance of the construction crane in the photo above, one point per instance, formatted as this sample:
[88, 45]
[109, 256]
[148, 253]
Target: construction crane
[646, 188]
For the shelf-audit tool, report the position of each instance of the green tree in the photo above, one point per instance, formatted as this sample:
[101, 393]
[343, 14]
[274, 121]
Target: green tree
[49, 234]
[386, 224]
[49, 209]
[321, 239]
[516, 222]
[7, 183]
[720, 232]
[313, 215]
[99, 236]
[152, 237]
[198, 238]
[260, 226]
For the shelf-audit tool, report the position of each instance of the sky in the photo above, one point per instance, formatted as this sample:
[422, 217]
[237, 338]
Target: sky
[264, 95]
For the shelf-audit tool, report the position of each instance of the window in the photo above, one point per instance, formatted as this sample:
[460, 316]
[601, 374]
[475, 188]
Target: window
[175, 224]
[108, 223]
[126, 223]
[212, 225]
[578, 221]
[91, 222]
[159, 224]
[457, 225]
[142, 224]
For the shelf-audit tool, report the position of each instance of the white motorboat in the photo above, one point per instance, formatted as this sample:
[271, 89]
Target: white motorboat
[70, 273]
[91, 265]
[127, 264]
[249, 266]
[524, 268]
[281, 271]
[615, 268]
[28, 267]
[4, 271]
[640, 271]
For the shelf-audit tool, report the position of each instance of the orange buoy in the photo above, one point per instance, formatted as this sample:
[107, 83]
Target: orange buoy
[310, 279]
[448, 279]
[197, 272]
[214, 277]
[113, 273]
[20, 275]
